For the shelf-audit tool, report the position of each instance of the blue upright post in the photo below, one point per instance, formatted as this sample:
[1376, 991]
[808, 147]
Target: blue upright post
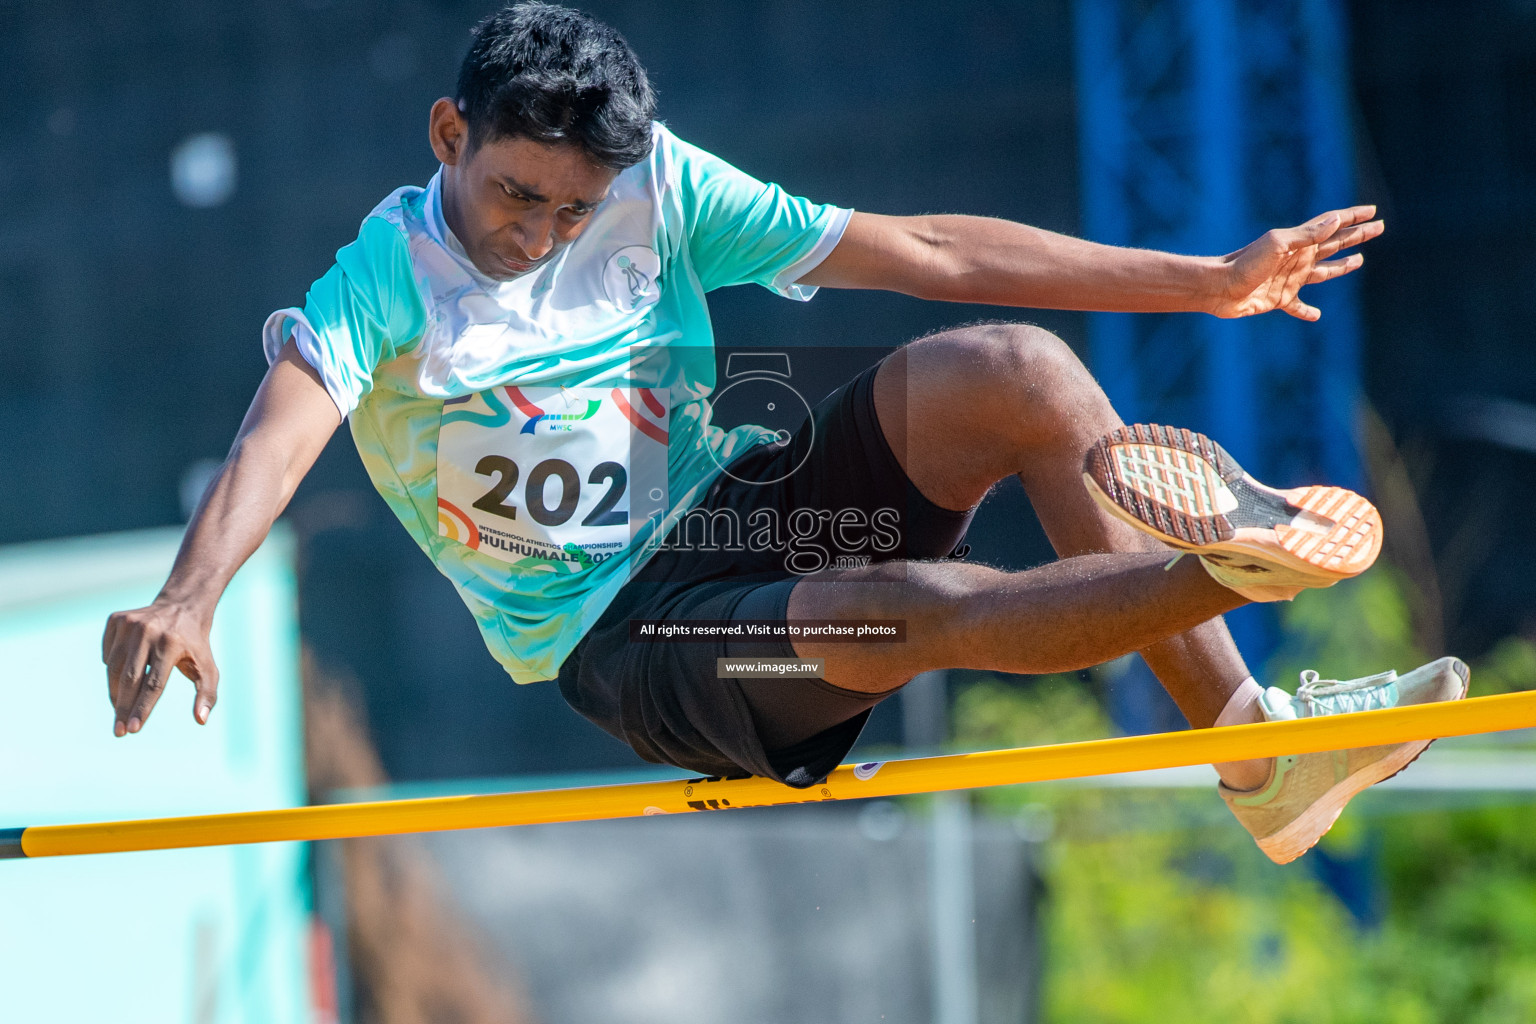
[1203, 123]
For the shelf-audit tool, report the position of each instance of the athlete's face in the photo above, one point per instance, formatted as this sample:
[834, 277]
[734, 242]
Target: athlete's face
[513, 203]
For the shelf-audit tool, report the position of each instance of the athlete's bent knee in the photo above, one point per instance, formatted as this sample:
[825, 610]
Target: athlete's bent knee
[1022, 368]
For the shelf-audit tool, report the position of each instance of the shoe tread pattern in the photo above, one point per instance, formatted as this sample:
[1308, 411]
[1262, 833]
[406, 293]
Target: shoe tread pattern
[1175, 463]
[1184, 467]
[1350, 546]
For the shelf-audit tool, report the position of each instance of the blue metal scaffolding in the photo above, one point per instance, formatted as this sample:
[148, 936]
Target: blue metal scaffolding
[1202, 124]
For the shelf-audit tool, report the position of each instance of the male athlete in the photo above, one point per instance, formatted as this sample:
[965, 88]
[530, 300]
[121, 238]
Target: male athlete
[525, 355]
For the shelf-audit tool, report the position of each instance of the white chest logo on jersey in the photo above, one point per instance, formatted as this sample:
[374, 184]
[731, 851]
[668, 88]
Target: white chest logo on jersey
[558, 479]
[629, 277]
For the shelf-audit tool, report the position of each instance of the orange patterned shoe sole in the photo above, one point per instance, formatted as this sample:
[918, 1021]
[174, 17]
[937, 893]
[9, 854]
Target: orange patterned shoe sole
[1184, 489]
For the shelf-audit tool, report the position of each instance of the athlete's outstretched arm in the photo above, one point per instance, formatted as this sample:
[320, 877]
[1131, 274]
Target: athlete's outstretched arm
[999, 262]
[284, 431]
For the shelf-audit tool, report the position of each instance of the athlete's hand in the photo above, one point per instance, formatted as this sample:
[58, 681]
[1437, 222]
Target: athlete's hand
[1269, 273]
[140, 647]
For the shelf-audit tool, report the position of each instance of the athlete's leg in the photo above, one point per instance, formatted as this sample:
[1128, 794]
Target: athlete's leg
[1024, 404]
[1059, 617]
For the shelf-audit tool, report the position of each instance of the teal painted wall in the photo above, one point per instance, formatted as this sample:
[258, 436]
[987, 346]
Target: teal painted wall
[206, 936]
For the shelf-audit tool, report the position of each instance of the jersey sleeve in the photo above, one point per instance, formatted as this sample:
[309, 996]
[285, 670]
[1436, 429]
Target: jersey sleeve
[366, 310]
[744, 231]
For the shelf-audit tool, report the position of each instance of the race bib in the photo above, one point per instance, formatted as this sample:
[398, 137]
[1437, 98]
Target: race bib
[552, 478]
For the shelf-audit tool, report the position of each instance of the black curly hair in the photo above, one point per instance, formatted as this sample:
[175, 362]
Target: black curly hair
[552, 74]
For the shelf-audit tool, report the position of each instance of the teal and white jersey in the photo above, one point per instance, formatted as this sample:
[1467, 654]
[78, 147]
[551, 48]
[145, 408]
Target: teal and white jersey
[532, 435]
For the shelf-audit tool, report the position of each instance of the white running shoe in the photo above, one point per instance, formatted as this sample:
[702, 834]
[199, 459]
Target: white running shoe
[1266, 544]
[1305, 792]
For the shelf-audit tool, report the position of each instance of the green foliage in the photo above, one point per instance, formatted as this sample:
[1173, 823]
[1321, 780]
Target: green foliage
[1053, 709]
[1356, 628]
[1510, 666]
[1161, 909]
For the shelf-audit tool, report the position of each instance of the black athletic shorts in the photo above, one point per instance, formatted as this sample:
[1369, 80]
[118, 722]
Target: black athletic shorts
[664, 698]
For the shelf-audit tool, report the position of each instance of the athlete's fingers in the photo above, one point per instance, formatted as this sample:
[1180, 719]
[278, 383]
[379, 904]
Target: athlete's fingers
[1301, 311]
[205, 676]
[129, 673]
[109, 634]
[1350, 237]
[1335, 268]
[1320, 228]
[1315, 231]
[108, 642]
[116, 646]
[1355, 214]
[1343, 219]
[151, 686]
[1361, 214]
[118, 652]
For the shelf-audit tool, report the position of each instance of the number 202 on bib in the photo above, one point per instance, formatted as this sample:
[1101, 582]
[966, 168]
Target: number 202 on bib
[557, 478]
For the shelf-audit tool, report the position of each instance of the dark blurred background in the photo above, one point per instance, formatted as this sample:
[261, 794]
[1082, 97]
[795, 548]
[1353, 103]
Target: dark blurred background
[173, 172]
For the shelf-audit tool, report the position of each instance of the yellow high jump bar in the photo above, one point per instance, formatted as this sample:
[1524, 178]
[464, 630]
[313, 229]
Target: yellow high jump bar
[849, 782]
